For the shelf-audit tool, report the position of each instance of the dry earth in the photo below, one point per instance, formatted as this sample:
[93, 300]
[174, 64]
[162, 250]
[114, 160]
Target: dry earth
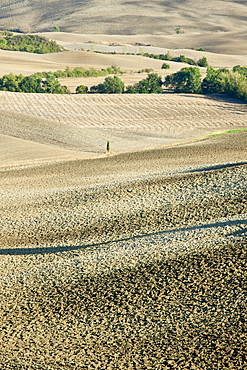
[220, 25]
[133, 261]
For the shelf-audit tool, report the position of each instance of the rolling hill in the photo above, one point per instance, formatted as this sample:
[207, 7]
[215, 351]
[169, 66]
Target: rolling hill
[216, 21]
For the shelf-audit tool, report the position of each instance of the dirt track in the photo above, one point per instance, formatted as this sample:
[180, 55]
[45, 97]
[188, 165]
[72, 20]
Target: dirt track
[134, 261]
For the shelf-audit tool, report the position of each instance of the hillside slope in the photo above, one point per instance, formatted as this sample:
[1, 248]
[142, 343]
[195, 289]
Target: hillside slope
[136, 261]
[121, 17]
[83, 123]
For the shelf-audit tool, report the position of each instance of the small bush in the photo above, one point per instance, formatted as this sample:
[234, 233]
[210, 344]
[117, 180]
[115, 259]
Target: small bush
[56, 29]
[146, 70]
[202, 62]
[179, 30]
[165, 66]
[81, 89]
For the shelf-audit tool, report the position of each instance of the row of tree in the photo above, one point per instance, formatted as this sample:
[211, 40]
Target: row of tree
[32, 84]
[114, 85]
[201, 62]
[81, 72]
[217, 81]
[47, 82]
[187, 80]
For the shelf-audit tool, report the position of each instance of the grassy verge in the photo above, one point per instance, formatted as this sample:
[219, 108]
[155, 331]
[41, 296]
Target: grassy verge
[227, 132]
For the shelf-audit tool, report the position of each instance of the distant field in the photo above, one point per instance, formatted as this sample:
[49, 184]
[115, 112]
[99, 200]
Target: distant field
[84, 123]
[218, 26]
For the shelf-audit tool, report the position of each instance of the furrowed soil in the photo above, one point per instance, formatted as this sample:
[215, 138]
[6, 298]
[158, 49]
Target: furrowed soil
[133, 259]
[218, 26]
[129, 261]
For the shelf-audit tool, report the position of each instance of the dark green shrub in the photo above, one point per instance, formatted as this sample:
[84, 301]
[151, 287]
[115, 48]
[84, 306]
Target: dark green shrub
[241, 70]
[179, 30]
[202, 62]
[81, 89]
[165, 66]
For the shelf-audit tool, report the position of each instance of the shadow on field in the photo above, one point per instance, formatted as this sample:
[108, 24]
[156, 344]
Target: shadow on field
[217, 167]
[26, 251]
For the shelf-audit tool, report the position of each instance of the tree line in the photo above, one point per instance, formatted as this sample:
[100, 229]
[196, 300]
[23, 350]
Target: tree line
[188, 80]
[28, 43]
[47, 82]
[201, 62]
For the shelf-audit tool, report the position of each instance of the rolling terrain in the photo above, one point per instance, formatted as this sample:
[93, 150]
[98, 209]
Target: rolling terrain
[215, 23]
[81, 125]
[132, 259]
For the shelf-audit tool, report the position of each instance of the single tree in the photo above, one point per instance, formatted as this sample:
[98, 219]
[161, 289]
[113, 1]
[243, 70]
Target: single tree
[51, 85]
[11, 82]
[214, 82]
[31, 84]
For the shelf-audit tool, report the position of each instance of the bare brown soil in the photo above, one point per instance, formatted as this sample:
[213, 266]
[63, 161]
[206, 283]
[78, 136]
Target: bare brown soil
[132, 261]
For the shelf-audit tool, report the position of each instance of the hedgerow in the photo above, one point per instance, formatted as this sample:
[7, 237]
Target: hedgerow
[29, 43]
[47, 82]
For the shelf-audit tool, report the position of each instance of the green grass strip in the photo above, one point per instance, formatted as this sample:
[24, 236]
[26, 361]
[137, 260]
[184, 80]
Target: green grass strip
[228, 132]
